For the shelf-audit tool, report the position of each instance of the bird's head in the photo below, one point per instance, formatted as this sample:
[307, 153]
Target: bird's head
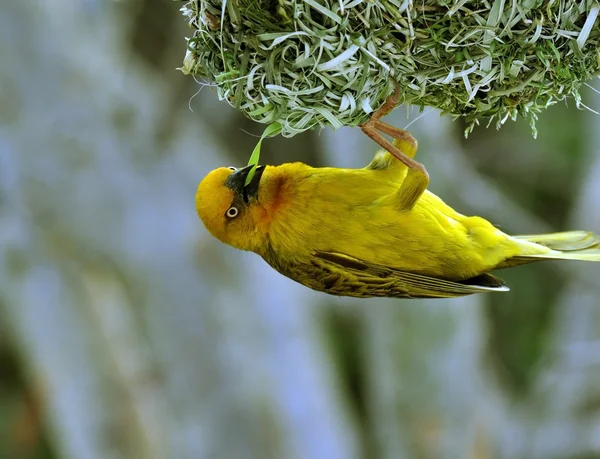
[233, 213]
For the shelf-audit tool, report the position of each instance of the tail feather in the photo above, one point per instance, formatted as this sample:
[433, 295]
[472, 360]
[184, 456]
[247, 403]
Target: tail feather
[569, 245]
[567, 241]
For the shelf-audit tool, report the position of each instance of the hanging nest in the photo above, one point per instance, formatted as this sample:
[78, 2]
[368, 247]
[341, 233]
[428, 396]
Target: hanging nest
[308, 63]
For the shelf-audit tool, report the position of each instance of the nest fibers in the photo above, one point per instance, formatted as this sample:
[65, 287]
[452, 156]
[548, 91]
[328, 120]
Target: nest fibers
[307, 63]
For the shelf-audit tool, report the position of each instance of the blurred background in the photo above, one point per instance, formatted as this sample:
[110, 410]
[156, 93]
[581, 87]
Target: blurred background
[127, 331]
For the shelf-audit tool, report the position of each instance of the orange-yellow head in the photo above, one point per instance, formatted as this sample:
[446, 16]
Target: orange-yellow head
[237, 215]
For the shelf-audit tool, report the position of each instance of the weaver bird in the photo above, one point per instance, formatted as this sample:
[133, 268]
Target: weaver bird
[370, 232]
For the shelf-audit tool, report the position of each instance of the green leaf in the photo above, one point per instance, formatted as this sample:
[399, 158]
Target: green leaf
[272, 130]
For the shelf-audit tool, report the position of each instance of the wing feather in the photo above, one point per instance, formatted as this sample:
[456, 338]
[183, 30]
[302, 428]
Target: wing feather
[342, 274]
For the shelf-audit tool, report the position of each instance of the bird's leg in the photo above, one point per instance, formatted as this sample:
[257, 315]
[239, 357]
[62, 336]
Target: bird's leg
[404, 149]
[403, 140]
[374, 124]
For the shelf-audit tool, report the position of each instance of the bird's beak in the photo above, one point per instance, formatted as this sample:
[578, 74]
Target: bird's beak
[237, 180]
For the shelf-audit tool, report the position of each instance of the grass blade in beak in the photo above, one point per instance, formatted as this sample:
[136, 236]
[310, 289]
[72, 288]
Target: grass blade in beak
[272, 130]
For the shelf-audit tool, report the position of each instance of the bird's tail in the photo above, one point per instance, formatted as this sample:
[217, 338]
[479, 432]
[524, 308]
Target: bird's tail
[569, 245]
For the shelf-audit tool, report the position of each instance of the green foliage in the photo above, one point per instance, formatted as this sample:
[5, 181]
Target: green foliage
[330, 62]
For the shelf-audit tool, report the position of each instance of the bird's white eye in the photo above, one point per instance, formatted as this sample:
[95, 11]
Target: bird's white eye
[232, 212]
[231, 168]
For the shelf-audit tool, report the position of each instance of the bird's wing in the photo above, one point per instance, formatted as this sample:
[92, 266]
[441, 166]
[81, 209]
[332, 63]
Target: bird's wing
[340, 274]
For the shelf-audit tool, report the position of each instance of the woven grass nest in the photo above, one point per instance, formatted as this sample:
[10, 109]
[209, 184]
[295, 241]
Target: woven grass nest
[309, 63]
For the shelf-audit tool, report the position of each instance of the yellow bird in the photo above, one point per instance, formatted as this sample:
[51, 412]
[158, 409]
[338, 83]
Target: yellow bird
[370, 232]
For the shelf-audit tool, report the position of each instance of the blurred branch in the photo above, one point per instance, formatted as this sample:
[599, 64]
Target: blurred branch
[135, 369]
